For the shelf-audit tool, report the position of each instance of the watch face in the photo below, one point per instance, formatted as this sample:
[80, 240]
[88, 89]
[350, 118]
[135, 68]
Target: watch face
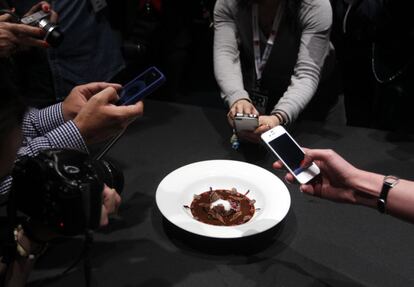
[391, 180]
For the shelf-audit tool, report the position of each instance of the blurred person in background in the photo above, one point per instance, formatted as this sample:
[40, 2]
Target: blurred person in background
[374, 41]
[269, 57]
[90, 52]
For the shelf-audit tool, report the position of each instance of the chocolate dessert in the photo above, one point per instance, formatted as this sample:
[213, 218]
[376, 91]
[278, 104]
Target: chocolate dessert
[222, 207]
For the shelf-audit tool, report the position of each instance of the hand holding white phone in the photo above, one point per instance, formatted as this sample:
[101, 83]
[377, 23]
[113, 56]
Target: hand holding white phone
[280, 142]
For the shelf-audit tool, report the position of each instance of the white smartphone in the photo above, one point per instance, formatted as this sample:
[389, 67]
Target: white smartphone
[245, 122]
[280, 142]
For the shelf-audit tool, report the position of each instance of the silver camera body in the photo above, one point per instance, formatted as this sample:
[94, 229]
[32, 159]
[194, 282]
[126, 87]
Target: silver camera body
[246, 122]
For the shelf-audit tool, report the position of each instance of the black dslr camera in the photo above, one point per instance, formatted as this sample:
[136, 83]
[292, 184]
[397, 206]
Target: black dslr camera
[62, 189]
[41, 19]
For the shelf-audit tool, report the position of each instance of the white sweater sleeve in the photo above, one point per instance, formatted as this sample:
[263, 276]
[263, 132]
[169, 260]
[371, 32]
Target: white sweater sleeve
[315, 21]
[227, 67]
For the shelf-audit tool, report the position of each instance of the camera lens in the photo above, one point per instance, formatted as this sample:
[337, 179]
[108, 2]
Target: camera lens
[110, 175]
[53, 34]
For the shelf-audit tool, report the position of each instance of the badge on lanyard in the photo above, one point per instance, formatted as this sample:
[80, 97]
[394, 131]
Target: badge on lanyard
[98, 5]
[259, 100]
[258, 97]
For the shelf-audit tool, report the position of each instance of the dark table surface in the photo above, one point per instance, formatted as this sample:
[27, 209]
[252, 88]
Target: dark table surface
[319, 243]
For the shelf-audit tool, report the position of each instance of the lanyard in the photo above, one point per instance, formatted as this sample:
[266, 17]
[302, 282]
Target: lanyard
[260, 61]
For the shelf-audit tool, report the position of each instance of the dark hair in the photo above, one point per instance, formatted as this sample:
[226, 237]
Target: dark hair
[12, 108]
[291, 12]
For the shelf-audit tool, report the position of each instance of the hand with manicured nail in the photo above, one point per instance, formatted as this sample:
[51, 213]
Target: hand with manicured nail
[335, 180]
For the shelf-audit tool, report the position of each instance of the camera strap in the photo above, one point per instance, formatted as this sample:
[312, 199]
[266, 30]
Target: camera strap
[85, 255]
[109, 145]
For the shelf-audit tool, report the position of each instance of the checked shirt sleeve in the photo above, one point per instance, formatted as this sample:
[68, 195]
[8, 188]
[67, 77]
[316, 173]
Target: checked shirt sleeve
[4, 188]
[45, 129]
[64, 136]
[38, 122]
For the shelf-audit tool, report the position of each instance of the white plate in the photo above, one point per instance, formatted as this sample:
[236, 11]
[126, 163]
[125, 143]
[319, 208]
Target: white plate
[178, 188]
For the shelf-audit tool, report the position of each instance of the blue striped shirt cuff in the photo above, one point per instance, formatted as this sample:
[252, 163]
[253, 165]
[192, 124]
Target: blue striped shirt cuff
[67, 136]
[50, 118]
[64, 136]
[38, 122]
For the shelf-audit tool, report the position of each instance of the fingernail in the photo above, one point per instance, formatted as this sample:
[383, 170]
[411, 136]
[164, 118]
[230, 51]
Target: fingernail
[288, 182]
[302, 162]
[46, 8]
[46, 44]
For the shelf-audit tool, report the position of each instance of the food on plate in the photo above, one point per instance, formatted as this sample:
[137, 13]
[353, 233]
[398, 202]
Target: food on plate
[222, 207]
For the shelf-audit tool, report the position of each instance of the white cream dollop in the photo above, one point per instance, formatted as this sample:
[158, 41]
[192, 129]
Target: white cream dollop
[225, 203]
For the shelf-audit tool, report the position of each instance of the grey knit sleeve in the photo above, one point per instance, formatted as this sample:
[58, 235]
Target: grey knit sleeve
[227, 68]
[316, 21]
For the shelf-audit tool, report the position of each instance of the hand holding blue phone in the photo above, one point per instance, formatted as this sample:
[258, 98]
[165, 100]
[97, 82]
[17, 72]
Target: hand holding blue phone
[140, 87]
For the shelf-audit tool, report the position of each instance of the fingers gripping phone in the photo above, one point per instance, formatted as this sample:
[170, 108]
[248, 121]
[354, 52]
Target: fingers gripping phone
[245, 122]
[134, 91]
[141, 86]
[289, 152]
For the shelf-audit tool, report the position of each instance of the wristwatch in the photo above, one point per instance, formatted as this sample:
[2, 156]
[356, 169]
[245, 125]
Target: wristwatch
[389, 182]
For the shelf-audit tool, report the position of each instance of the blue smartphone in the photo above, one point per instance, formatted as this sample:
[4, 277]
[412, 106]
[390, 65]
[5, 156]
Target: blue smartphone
[141, 86]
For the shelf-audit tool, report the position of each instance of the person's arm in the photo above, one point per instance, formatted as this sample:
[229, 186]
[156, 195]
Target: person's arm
[400, 199]
[64, 136]
[340, 181]
[227, 67]
[39, 122]
[46, 128]
[315, 21]
[98, 120]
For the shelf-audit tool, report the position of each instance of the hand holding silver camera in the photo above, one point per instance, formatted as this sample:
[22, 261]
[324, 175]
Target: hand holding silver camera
[41, 19]
[245, 122]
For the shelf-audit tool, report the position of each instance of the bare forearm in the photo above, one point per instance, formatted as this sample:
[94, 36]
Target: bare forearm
[400, 200]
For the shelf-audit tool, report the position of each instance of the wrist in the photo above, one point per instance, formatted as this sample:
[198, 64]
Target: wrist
[367, 182]
[276, 120]
[367, 186]
[67, 113]
[240, 100]
[281, 116]
[83, 131]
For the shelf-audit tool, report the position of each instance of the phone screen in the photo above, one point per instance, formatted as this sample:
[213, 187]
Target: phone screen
[140, 87]
[289, 152]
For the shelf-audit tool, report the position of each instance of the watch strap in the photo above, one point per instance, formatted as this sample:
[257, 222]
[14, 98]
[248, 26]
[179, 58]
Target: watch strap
[389, 182]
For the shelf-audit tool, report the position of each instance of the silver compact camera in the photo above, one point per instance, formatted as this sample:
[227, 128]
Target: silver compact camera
[245, 122]
[41, 19]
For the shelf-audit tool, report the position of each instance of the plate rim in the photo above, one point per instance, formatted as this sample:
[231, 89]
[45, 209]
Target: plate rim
[224, 235]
